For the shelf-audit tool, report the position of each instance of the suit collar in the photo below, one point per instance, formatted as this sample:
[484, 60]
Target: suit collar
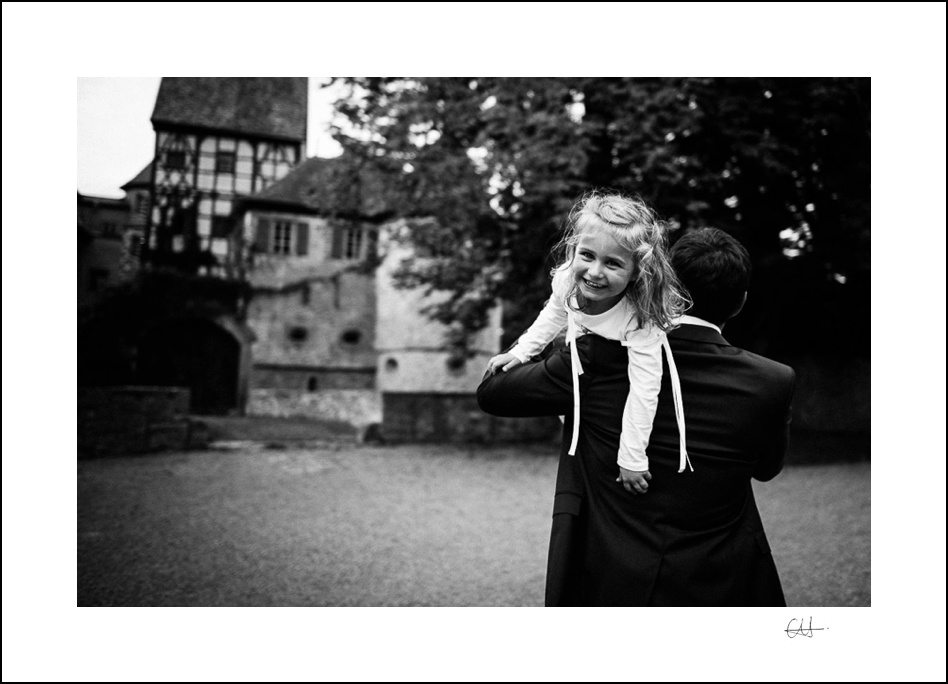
[694, 320]
[699, 333]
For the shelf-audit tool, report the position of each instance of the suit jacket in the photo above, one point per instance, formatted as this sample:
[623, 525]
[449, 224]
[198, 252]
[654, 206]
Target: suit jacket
[696, 538]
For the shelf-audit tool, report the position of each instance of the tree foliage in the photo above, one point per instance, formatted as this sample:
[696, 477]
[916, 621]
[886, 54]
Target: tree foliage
[496, 163]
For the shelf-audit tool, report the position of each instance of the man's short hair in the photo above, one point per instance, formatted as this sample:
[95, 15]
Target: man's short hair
[715, 269]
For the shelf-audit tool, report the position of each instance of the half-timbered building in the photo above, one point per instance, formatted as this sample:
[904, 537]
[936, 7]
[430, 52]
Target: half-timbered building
[217, 139]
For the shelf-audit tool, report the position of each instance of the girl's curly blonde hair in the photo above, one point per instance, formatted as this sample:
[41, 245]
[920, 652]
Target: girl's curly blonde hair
[654, 291]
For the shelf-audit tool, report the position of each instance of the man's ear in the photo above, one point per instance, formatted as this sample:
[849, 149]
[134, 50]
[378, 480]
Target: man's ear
[740, 306]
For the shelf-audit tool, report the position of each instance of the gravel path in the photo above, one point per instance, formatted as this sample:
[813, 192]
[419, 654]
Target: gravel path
[395, 526]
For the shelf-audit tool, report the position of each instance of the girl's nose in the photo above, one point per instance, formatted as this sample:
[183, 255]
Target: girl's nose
[594, 270]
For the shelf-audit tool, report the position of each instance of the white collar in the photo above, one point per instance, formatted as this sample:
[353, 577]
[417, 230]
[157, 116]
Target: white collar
[692, 320]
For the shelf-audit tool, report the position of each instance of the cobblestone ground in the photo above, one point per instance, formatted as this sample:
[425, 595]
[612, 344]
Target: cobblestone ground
[253, 525]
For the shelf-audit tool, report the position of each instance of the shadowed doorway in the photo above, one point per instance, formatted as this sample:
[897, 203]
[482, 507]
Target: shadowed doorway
[197, 354]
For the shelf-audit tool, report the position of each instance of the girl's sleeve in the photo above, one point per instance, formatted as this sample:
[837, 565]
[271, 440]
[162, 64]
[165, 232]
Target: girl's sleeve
[549, 323]
[645, 381]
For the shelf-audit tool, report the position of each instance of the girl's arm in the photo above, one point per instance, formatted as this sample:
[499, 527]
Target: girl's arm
[645, 381]
[549, 323]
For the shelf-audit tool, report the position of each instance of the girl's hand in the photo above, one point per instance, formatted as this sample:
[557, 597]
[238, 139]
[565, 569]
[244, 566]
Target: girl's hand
[634, 481]
[502, 362]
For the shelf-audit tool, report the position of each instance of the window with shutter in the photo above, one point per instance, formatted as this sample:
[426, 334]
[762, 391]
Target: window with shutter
[282, 237]
[347, 242]
[353, 242]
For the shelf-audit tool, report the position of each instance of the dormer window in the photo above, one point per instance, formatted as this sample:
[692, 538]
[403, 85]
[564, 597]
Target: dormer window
[282, 237]
[353, 248]
[348, 242]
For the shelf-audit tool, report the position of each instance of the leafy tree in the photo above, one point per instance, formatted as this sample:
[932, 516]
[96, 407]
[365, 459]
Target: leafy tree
[495, 163]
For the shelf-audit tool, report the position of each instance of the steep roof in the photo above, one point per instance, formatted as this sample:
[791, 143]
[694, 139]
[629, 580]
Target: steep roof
[268, 107]
[328, 187]
[142, 179]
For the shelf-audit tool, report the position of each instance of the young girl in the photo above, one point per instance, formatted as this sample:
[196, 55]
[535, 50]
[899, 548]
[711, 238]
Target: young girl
[616, 282]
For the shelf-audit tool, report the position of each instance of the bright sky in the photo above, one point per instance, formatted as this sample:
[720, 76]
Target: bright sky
[116, 139]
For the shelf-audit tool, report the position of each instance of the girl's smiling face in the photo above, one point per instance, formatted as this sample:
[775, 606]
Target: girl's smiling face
[602, 269]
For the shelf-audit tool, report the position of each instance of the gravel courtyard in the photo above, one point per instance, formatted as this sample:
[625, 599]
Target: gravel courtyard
[354, 525]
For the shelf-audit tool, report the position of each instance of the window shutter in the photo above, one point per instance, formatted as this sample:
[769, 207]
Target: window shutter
[372, 249]
[302, 239]
[337, 235]
[263, 235]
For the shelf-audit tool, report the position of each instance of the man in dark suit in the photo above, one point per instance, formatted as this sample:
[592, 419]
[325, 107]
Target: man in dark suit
[694, 538]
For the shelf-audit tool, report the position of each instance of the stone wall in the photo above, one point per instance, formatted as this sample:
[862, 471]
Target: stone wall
[324, 321]
[311, 309]
[360, 408]
[437, 417]
[413, 356]
[312, 379]
[426, 371]
[131, 419]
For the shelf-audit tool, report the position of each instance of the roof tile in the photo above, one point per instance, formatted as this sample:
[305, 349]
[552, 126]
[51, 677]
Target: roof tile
[142, 179]
[330, 186]
[268, 107]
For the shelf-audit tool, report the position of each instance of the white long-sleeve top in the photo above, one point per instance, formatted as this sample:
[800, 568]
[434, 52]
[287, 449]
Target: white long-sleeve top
[645, 346]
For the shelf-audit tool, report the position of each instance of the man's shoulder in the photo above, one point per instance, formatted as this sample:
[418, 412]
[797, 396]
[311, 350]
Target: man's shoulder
[769, 372]
[696, 339]
[774, 367]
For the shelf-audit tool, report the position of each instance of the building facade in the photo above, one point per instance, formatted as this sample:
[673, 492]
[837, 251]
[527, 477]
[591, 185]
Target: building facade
[320, 330]
[138, 200]
[334, 336]
[217, 139]
[103, 245]
[428, 395]
[312, 307]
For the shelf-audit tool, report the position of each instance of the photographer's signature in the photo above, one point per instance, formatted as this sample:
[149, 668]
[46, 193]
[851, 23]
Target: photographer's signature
[797, 627]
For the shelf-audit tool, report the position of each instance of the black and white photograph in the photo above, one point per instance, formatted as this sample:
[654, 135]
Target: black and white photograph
[497, 342]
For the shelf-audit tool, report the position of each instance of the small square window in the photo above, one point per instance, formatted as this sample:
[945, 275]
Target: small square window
[175, 159]
[221, 226]
[226, 162]
[351, 337]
